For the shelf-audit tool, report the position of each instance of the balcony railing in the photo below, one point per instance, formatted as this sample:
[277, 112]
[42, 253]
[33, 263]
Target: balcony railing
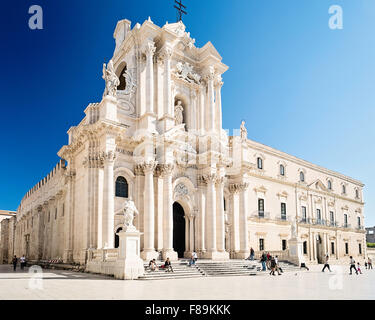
[260, 215]
[360, 228]
[346, 226]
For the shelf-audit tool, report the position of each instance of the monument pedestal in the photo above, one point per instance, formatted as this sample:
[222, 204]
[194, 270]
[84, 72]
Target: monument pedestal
[129, 265]
[295, 251]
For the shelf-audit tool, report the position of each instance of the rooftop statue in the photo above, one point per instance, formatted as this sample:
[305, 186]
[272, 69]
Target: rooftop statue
[111, 80]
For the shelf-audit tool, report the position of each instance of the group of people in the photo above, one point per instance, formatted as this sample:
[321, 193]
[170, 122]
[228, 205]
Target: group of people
[167, 266]
[353, 265]
[271, 263]
[22, 261]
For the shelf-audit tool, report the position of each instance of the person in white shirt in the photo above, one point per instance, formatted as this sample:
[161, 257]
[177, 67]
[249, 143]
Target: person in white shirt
[352, 265]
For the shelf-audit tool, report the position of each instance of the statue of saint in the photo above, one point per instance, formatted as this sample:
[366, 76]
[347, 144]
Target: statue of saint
[243, 131]
[129, 211]
[294, 228]
[111, 80]
[178, 113]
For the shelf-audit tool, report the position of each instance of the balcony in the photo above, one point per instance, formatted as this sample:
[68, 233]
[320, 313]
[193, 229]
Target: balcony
[260, 215]
[361, 228]
[346, 226]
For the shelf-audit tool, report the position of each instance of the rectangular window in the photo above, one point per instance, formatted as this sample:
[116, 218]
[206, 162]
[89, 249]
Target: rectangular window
[261, 207]
[318, 215]
[305, 247]
[332, 248]
[359, 222]
[304, 214]
[261, 244]
[346, 248]
[283, 245]
[283, 211]
[345, 220]
[360, 248]
[332, 217]
[63, 208]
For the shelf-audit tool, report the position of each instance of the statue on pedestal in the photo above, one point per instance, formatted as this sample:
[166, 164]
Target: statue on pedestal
[243, 131]
[111, 80]
[178, 113]
[294, 228]
[129, 211]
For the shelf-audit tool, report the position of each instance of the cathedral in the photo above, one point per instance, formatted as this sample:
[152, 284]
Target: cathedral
[157, 138]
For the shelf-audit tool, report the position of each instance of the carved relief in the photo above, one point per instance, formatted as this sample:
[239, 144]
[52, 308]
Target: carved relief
[185, 71]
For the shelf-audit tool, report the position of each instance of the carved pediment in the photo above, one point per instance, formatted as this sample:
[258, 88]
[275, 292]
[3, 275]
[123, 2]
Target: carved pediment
[260, 189]
[318, 185]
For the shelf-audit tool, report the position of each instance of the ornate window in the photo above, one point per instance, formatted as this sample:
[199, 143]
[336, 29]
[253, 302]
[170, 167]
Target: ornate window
[302, 176]
[304, 214]
[261, 207]
[343, 189]
[261, 244]
[332, 248]
[357, 193]
[283, 211]
[122, 79]
[260, 163]
[122, 188]
[329, 185]
[282, 170]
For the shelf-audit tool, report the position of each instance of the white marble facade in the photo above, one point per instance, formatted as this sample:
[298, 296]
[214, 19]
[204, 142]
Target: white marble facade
[158, 139]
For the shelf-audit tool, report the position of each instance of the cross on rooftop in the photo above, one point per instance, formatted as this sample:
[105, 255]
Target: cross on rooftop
[179, 8]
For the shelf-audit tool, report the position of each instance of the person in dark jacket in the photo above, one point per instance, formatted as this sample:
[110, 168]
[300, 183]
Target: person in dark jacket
[168, 266]
[273, 266]
[263, 260]
[14, 262]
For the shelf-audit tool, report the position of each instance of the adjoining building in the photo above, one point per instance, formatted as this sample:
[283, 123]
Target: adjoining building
[158, 139]
[370, 235]
[7, 219]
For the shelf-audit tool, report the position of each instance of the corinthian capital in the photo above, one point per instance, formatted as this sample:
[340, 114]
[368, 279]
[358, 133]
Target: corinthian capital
[238, 187]
[209, 74]
[166, 53]
[109, 157]
[150, 48]
[207, 178]
[165, 169]
[149, 166]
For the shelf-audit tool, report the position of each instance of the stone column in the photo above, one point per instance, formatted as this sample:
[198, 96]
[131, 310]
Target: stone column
[191, 229]
[202, 216]
[108, 221]
[149, 212]
[166, 171]
[211, 214]
[220, 215]
[244, 208]
[219, 120]
[168, 117]
[150, 50]
[210, 77]
[235, 212]
[187, 234]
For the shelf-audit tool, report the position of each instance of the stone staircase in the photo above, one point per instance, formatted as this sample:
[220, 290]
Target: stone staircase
[228, 268]
[181, 270]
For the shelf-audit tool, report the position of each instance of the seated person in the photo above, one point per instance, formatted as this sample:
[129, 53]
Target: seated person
[168, 266]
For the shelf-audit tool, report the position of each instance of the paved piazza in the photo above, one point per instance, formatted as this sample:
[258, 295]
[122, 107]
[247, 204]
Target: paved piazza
[64, 285]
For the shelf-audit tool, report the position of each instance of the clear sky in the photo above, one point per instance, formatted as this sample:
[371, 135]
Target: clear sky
[301, 87]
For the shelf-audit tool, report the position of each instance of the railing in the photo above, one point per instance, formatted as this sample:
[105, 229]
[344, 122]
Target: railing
[346, 226]
[360, 228]
[260, 215]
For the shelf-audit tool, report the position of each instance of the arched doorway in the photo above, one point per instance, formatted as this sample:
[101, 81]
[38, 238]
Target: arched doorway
[179, 229]
[117, 238]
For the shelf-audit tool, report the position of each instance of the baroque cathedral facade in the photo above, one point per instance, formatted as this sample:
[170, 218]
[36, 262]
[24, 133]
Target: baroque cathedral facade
[157, 138]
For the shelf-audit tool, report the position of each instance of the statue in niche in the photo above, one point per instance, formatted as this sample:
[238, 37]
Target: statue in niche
[179, 113]
[129, 211]
[111, 80]
[243, 131]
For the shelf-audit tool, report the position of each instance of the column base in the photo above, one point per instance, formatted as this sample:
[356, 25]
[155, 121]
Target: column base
[67, 256]
[242, 254]
[171, 254]
[216, 255]
[148, 255]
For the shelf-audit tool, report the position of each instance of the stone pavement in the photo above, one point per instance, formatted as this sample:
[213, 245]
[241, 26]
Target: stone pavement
[311, 284]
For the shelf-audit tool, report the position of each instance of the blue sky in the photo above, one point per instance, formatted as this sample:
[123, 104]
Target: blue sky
[301, 87]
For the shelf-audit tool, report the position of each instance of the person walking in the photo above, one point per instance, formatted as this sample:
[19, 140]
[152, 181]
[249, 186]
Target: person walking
[252, 254]
[359, 268]
[273, 266]
[278, 265]
[263, 260]
[14, 262]
[352, 266]
[22, 262]
[195, 257]
[365, 264]
[369, 262]
[326, 264]
[303, 264]
[192, 260]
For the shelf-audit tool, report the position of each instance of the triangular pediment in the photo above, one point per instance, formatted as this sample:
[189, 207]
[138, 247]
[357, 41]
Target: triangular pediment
[318, 185]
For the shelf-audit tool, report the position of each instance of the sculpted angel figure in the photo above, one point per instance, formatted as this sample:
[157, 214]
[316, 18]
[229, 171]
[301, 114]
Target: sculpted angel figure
[129, 211]
[111, 80]
[178, 113]
[243, 131]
